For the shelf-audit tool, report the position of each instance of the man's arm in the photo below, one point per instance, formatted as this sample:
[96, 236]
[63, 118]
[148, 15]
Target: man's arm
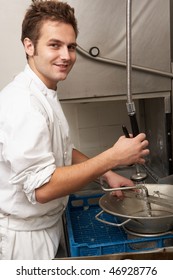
[69, 179]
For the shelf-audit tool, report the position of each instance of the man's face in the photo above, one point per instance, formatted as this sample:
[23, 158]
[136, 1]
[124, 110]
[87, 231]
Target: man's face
[55, 53]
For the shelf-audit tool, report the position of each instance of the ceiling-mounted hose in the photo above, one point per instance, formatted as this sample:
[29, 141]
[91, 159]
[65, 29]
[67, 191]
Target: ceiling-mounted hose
[138, 176]
[130, 104]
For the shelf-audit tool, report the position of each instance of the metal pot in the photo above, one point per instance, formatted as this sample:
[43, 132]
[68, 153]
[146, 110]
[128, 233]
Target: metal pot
[133, 213]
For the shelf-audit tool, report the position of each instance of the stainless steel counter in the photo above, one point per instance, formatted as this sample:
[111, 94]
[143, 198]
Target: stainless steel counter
[161, 254]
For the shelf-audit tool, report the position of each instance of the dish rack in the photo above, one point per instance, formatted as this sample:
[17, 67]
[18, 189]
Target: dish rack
[88, 237]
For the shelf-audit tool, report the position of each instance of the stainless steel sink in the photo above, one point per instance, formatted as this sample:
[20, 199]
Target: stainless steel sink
[165, 253]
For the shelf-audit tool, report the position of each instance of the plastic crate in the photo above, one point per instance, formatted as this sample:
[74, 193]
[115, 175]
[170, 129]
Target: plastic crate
[89, 237]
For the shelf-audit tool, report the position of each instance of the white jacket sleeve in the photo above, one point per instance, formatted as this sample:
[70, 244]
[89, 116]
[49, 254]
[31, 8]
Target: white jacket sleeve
[27, 149]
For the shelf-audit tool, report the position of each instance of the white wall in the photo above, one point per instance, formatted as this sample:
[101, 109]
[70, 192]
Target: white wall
[96, 126]
[12, 56]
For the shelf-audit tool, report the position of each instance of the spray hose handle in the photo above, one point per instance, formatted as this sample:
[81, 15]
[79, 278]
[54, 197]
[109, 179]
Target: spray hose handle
[134, 125]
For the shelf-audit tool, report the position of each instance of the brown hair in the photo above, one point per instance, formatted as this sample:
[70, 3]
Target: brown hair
[42, 10]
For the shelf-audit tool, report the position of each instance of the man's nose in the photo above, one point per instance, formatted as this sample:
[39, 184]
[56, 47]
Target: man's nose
[65, 53]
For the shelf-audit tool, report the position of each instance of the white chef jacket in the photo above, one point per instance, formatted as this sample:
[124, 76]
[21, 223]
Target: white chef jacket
[34, 140]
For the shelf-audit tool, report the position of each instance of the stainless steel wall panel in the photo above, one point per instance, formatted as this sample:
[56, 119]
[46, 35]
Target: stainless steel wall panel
[103, 24]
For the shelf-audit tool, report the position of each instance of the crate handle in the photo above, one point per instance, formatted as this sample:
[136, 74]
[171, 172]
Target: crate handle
[109, 223]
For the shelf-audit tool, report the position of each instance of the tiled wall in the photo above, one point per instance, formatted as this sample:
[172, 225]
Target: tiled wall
[96, 126]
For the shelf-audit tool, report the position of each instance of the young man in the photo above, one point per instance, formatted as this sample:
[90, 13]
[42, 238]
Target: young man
[39, 166]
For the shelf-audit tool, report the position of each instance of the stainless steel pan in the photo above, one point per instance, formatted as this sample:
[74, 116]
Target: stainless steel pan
[133, 213]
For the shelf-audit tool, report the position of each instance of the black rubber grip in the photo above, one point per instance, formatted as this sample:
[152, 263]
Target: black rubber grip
[134, 125]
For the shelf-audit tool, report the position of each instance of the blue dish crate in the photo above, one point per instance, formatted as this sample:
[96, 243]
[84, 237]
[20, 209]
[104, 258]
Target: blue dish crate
[89, 237]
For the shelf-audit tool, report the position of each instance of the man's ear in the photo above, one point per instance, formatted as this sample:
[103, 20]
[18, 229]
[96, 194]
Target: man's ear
[29, 47]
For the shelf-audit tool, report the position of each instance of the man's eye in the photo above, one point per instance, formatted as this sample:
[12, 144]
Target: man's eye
[55, 46]
[72, 47]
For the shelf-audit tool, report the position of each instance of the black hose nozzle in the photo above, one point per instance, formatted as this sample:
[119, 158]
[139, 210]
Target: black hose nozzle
[134, 125]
